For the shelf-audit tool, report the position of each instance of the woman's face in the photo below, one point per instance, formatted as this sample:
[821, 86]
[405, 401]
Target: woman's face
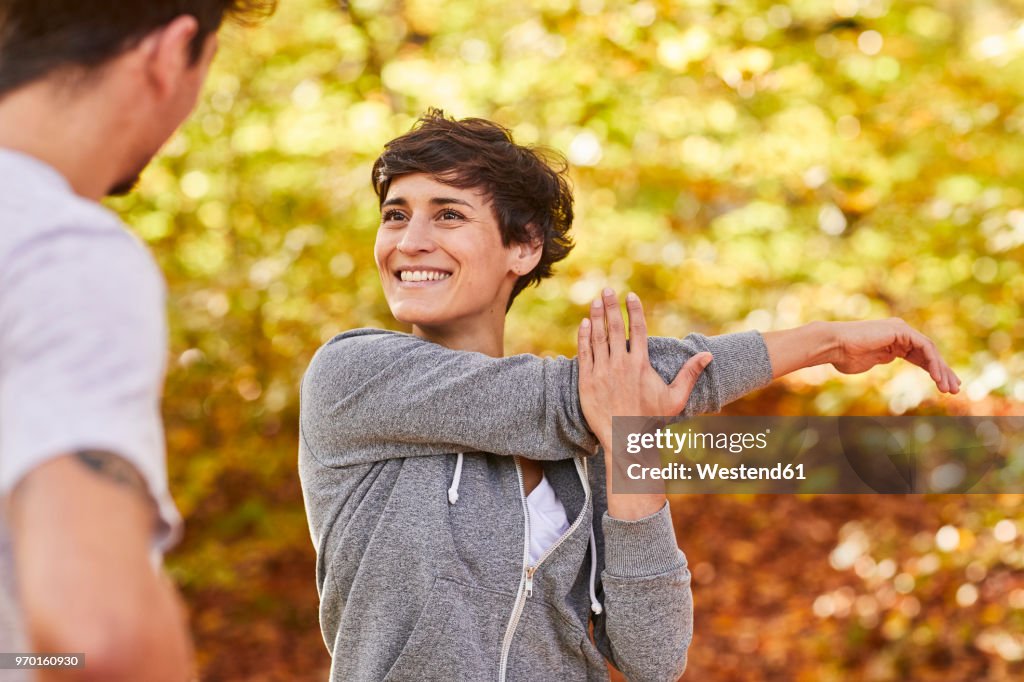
[440, 257]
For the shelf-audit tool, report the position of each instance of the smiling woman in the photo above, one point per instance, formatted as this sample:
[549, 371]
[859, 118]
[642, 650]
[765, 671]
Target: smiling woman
[440, 257]
[468, 480]
[460, 198]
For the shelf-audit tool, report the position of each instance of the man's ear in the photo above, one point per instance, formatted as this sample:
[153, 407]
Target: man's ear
[167, 53]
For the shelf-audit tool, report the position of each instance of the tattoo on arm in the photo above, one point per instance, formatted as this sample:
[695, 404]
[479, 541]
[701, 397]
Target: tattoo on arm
[114, 468]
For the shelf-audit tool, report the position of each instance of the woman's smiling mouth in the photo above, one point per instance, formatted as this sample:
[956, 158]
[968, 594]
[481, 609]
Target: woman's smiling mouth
[422, 275]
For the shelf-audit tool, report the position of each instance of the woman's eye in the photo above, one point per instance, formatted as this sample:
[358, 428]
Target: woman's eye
[390, 216]
[449, 214]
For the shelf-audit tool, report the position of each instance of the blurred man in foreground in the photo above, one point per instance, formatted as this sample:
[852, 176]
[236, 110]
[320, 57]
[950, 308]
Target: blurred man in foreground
[89, 91]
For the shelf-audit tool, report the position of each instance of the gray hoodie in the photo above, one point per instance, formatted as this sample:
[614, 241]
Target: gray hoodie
[409, 464]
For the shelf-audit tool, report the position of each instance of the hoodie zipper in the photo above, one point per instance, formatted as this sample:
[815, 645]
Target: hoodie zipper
[526, 579]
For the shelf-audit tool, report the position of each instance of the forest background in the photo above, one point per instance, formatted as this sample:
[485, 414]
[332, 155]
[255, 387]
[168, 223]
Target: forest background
[740, 164]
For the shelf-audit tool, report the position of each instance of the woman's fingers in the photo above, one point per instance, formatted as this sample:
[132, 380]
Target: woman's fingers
[583, 350]
[923, 352]
[616, 326]
[637, 329]
[608, 329]
[598, 333]
[952, 381]
[926, 355]
[686, 379]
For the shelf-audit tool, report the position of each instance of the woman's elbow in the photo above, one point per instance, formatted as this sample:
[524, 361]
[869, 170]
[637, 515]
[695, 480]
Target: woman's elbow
[669, 671]
[666, 665]
[679, 666]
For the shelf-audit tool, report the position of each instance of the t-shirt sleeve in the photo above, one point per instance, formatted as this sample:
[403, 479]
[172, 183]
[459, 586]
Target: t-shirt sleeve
[82, 358]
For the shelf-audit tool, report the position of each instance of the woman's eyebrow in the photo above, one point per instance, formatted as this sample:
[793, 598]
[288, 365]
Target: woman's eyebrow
[450, 200]
[437, 201]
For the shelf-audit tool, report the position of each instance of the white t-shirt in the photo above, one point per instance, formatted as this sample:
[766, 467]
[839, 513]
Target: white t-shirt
[82, 346]
[548, 520]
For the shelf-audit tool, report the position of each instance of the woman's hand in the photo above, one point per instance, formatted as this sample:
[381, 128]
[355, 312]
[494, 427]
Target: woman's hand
[855, 347]
[620, 382]
[862, 345]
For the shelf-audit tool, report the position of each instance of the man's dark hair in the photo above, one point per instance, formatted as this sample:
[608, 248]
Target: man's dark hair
[528, 186]
[38, 37]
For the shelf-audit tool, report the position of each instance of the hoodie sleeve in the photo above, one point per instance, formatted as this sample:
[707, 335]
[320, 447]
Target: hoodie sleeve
[646, 626]
[740, 365]
[370, 395]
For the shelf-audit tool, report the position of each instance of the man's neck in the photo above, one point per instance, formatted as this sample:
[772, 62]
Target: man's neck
[75, 135]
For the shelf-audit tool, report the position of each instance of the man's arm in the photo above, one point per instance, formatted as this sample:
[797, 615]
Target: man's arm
[82, 526]
[83, 342]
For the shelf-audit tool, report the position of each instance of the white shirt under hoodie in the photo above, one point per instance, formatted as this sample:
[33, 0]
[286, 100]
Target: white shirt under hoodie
[548, 521]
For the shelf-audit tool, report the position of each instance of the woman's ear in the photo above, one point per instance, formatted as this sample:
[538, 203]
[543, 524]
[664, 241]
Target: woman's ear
[526, 255]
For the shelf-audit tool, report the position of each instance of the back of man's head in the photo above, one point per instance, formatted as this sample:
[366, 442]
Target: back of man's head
[41, 37]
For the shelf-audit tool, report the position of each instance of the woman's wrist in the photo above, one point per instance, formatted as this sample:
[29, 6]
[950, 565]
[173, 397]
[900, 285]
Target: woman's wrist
[809, 345]
[627, 506]
[634, 506]
[826, 341]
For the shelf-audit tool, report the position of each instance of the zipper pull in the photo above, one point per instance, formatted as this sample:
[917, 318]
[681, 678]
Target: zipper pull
[530, 570]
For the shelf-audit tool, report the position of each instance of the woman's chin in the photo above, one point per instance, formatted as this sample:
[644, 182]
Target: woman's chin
[414, 315]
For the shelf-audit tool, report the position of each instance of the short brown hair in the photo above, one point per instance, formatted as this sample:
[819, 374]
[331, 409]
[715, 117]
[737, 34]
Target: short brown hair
[528, 186]
[38, 37]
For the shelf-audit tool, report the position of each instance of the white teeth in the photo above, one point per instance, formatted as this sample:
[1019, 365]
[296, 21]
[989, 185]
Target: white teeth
[423, 275]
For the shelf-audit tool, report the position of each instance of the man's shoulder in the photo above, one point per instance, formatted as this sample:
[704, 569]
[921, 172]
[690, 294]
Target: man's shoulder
[72, 237]
[28, 228]
[80, 272]
[38, 210]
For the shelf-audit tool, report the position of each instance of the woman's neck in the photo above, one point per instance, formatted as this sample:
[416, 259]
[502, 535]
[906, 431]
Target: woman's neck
[489, 340]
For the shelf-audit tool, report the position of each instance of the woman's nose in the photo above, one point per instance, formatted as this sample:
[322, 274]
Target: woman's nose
[416, 237]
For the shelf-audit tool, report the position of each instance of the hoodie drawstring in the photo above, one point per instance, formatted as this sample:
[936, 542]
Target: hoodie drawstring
[453, 492]
[595, 605]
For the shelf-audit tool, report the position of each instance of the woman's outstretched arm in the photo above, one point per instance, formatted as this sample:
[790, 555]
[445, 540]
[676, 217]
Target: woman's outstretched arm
[371, 395]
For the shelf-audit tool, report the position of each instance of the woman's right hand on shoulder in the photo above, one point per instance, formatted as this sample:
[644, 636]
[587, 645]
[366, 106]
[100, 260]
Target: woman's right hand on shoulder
[616, 381]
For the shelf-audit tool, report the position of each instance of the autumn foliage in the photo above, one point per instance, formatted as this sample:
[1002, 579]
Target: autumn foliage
[739, 164]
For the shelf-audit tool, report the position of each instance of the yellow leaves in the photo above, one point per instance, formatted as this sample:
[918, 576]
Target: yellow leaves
[369, 124]
[195, 184]
[721, 116]
[678, 51]
[203, 254]
[154, 226]
[252, 137]
[585, 149]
